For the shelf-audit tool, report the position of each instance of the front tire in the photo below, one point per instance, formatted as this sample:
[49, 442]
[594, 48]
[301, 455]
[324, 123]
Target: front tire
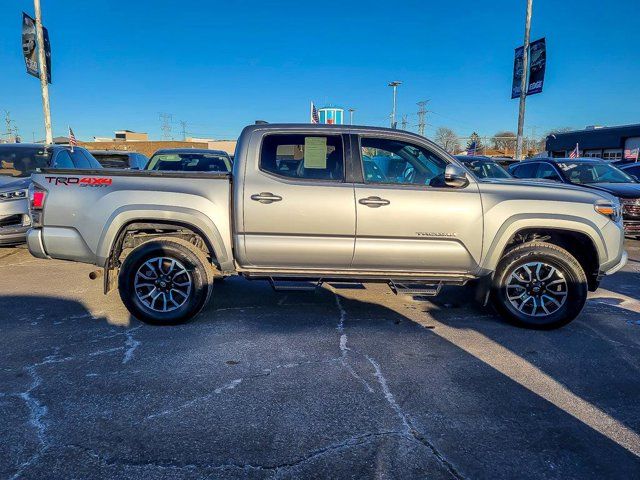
[165, 281]
[539, 285]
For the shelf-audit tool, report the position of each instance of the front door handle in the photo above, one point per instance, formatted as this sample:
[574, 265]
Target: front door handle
[374, 202]
[265, 197]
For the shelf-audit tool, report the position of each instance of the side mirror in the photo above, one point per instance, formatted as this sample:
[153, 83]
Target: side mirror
[455, 176]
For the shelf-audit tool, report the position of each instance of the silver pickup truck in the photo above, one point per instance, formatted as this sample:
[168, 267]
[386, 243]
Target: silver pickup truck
[331, 203]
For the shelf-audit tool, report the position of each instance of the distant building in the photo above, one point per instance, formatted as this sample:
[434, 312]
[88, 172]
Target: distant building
[129, 136]
[331, 115]
[608, 143]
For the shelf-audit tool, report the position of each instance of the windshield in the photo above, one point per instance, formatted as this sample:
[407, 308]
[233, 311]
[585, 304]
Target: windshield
[486, 169]
[190, 162]
[22, 161]
[584, 173]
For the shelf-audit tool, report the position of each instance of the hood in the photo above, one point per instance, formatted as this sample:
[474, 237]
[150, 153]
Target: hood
[621, 190]
[527, 189]
[13, 183]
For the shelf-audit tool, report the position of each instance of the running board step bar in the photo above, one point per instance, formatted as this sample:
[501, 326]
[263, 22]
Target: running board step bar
[413, 288]
[280, 285]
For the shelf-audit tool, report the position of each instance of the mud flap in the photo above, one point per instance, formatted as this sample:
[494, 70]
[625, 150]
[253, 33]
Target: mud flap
[483, 289]
[110, 279]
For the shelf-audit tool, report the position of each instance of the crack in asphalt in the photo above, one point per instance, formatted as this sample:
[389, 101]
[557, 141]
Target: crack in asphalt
[409, 431]
[37, 409]
[275, 470]
[344, 350]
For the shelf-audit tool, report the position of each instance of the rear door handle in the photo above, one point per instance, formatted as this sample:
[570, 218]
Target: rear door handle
[265, 197]
[374, 202]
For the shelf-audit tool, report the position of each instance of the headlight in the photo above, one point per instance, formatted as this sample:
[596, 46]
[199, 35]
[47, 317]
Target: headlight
[15, 194]
[609, 209]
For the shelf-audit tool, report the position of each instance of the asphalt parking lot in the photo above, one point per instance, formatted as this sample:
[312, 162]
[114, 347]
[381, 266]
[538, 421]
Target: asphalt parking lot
[347, 382]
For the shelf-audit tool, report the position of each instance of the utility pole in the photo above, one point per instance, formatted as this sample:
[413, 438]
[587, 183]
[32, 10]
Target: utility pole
[165, 125]
[404, 121]
[422, 112]
[524, 81]
[351, 110]
[44, 82]
[183, 126]
[7, 120]
[395, 85]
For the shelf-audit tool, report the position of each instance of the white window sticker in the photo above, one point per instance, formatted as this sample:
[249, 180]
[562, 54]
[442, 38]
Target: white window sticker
[567, 166]
[315, 152]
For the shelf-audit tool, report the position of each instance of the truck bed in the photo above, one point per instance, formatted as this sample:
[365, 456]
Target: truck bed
[86, 209]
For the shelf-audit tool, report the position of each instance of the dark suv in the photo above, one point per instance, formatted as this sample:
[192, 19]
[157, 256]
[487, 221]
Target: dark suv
[17, 162]
[590, 173]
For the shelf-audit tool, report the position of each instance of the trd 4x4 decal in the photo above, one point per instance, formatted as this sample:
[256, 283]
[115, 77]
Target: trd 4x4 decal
[81, 181]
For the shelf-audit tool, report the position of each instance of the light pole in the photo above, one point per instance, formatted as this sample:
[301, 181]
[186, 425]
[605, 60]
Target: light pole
[524, 80]
[44, 81]
[393, 111]
[351, 110]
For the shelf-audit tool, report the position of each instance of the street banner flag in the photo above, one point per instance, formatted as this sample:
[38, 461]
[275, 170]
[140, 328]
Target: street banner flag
[315, 118]
[536, 69]
[575, 153]
[30, 47]
[632, 154]
[29, 44]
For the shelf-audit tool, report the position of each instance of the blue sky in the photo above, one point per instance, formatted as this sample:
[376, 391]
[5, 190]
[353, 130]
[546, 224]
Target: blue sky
[221, 65]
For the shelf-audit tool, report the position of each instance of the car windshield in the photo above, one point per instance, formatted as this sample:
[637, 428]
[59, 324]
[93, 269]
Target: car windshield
[190, 162]
[486, 169]
[22, 161]
[584, 173]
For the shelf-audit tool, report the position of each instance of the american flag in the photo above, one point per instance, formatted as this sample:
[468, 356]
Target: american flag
[575, 153]
[72, 139]
[315, 118]
[472, 148]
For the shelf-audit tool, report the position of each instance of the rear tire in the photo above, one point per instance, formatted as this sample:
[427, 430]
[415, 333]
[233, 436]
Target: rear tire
[539, 285]
[165, 281]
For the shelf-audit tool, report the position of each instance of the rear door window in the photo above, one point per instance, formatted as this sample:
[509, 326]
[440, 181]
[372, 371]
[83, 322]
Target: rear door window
[309, 157]
[548, 172]
[79, 160]
[528, 170]
[63, 160]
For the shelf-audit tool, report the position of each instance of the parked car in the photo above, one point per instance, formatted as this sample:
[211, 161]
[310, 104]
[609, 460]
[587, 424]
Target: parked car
[120, 159]
[190, 160]
[17, 162]
[483, 167]
[590, 173]
[535, 248]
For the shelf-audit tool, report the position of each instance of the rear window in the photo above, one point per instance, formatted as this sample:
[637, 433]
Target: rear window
[312, 157]
[112, 161]
[22, 161]
[190, 162]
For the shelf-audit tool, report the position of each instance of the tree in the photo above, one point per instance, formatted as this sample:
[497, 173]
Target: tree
[447, 139]
[475, 138]
[504, 141]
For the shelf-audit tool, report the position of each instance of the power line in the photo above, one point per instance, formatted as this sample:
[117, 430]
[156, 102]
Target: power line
[404, 121]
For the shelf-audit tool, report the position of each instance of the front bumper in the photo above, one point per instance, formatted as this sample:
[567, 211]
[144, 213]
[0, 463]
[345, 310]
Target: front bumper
[14, 221]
